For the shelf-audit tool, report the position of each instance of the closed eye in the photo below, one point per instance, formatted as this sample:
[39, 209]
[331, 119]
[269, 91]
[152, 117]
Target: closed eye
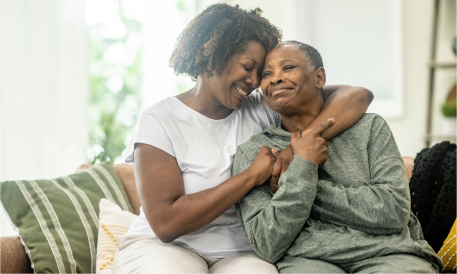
[248, 69]
[265, 74]
[288, 68]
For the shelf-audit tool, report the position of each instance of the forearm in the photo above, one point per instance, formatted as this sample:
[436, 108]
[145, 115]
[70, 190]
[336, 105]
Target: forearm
[376, 208]
[344, 103]
[271, 223]
[191, 212]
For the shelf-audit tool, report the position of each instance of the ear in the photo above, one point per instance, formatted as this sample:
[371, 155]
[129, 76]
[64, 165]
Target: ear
[320, 77]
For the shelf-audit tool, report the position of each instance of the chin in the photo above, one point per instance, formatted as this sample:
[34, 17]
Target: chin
[235, 105]
[280, 110]
[279, 107]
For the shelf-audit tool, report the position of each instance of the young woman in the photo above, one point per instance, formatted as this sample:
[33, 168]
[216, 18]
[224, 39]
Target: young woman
[183, 148]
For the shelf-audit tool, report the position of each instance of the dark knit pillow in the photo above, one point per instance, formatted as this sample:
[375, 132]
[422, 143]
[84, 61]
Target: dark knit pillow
[433, 189]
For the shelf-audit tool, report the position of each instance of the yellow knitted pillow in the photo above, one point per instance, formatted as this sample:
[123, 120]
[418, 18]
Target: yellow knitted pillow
[448, 250]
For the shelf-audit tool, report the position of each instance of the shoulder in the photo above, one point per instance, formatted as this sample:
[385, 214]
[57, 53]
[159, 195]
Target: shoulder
[375, 122]
[151, 128]
[163, 119]
[370, 126]
[169, 111]
[163, 107]
[373, 118]
[380, 136]
[256, 106]
[256, 97]
[369, 119]
[256, 102]
[369, 122]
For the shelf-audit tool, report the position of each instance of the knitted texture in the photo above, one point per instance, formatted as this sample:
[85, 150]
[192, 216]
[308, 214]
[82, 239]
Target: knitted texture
[354, 207]
[433, 189]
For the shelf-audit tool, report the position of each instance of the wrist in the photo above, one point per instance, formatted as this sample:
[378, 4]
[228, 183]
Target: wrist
[290, 149]
[308, 130]
[305, 156]
[248, 178]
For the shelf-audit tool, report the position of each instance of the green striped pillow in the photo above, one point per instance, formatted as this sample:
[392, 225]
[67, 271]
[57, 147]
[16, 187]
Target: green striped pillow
[57, 220]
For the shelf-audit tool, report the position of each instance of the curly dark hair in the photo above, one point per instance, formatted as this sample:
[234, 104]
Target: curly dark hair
[216, 35]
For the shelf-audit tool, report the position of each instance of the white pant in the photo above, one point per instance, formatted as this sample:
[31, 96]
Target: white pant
[147, 254]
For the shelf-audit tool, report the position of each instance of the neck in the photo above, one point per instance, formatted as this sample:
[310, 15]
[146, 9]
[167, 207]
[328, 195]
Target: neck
[201, 99]
[301, 121]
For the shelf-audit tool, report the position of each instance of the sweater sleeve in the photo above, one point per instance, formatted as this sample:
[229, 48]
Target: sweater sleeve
[271, 223]
[382, 205]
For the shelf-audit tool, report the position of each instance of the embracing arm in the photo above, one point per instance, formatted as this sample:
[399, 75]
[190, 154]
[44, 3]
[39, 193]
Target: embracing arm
[344, 103]
[380, 206]
[169, 211]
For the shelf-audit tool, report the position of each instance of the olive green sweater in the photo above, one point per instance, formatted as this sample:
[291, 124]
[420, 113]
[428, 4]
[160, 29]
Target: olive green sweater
[354, 207]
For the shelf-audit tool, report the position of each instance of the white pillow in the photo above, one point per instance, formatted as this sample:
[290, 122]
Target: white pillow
[113, 222]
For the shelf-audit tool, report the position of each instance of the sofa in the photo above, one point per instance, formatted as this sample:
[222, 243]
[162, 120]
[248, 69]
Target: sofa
[13, 255]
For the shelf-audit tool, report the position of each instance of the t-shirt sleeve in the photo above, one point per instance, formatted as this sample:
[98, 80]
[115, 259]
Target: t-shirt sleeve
[151, 131]
[265, 114]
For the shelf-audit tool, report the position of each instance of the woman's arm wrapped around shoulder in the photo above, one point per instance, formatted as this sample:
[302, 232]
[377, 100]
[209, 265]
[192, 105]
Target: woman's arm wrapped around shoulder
[346, 104]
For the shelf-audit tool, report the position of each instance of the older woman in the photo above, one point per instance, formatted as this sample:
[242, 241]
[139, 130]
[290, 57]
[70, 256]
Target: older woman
[341, 206]
[183, 147]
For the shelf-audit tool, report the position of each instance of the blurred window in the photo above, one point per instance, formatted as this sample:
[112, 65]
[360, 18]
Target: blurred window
[129, 43]
[161, 29]
[360, 43]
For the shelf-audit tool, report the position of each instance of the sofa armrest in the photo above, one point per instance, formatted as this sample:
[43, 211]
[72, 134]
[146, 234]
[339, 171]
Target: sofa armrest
[127, 177]
[409, 166]
[126, 174]
[13, 256]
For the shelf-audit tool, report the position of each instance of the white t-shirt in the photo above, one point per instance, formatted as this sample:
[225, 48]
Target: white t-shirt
[204, 149]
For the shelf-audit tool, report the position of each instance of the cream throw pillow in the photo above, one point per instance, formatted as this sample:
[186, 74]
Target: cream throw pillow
[113, 222]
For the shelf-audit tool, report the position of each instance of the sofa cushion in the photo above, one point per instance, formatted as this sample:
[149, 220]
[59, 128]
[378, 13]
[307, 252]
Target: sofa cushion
[448, 250]
[57, 219]
[114, 222]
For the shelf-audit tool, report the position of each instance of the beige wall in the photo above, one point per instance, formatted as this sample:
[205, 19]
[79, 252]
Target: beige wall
[417, 27]
[279, 13]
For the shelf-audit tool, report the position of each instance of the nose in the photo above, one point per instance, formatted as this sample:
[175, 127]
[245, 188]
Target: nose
[253, 80]
[277, 79]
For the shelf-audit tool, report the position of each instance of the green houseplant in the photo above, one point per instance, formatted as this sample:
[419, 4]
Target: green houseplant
[448, 109]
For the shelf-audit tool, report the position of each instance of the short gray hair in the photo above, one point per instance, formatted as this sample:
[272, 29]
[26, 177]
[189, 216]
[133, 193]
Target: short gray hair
[313, 56]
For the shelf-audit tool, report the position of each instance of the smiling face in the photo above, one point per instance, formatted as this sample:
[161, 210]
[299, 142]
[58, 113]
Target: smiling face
[289, 86]
[233, 85]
